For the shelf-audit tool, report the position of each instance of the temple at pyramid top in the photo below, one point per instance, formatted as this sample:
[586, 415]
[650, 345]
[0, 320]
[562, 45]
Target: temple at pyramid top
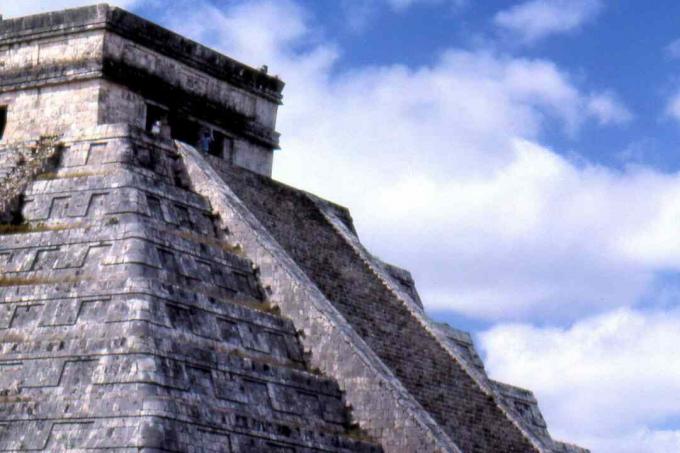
[102, 65]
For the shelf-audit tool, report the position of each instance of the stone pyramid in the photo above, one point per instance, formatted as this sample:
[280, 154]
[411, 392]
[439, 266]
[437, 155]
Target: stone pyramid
[160, 292]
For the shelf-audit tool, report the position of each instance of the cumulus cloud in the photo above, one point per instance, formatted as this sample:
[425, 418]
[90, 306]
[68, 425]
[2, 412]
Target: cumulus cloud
[673, 106]
[673, 49]
[358, 14]
[270, 39]
[611, 382]
[608, 109]
[401, 5]
[536, 19]
[14, 8]
[444, 172]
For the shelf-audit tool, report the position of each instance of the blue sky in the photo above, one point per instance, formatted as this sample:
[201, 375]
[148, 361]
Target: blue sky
[614, 51]
[519, 157]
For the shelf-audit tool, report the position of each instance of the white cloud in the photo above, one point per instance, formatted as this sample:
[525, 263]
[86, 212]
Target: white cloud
[536, 19]
[402, 5]
[608, 109]
[15, 8]
[673, 49]
[358, 14]
[609, 382]
[673, 107]
[450, 155]
[255, 32]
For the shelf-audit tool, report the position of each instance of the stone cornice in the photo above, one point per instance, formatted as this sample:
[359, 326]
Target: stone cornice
[145, 33]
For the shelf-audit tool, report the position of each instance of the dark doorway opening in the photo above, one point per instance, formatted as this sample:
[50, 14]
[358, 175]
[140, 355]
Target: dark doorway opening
[184, 130]
[217, 144]
[156, 117]
[3, 120]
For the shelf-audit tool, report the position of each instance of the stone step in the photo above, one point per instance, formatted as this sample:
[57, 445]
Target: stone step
[161, 434]
[194, 392]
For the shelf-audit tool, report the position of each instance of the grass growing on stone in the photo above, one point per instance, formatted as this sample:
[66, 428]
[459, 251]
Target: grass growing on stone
[25, 228]
[356, 433]
[8, 228]
[266, 359]
[223, 245]
[270, 309]
[263, 307]
[48, 175]
[52, 175]
[27, 281]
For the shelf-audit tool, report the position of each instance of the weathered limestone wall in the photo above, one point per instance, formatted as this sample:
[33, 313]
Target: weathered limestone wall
[252, 157]
[32, 83]
[18, 55]
[118, 104]
[50, 110]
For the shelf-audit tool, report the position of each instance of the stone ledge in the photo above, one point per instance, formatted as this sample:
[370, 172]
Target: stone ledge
[146, 33]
